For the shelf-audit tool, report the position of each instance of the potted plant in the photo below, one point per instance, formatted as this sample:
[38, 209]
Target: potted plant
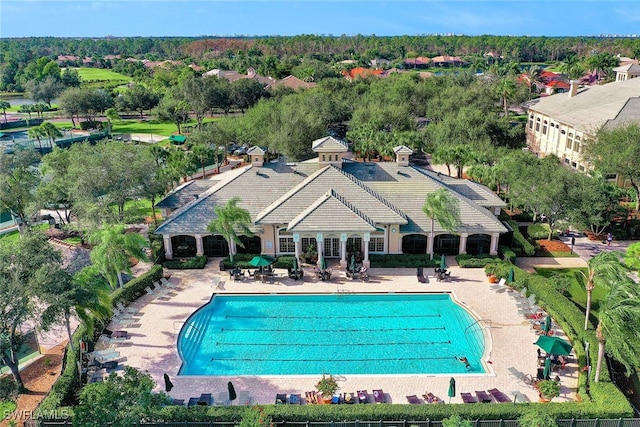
[327, 386]
[548, 389]
[492, 269]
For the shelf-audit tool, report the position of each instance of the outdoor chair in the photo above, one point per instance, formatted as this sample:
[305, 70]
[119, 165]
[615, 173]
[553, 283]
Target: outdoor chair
[115, 334]
[295, 399]
[483, 396]
[221, 399]
[349, 398]
[311, 397]
[499, 396]
[123, 309]
[363, 396]
[107, 357]
[193, 401]
[468, 398]
[431, 398]
[244, 398]
[414, 400]
[281, 399]
[168, 284]
[205, 399]
[378, 396]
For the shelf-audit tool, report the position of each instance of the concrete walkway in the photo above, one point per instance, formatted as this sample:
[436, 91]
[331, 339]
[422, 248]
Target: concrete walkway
[509, 336]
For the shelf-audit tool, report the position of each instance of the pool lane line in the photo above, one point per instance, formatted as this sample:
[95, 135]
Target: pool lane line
[332, 360]
[442, 328]
[333, 344]
[389, 316]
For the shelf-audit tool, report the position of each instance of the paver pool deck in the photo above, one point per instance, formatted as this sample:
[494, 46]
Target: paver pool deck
[153, 343]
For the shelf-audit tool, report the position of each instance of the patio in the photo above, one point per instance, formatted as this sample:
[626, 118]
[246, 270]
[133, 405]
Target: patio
[510, 350]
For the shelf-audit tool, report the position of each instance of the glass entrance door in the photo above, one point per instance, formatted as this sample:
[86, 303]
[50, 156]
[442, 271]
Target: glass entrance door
[332, 247]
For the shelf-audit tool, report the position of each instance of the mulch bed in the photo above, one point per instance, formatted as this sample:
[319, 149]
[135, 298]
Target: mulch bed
[549, 246]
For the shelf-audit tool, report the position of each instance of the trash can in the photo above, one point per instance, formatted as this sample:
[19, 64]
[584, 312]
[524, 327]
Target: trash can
[221, 265]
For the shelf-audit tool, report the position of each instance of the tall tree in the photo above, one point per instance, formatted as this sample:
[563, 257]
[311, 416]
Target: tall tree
[4, 105]
[443, 207]
[231, 222]
[21, 265]
[18, 181]
[113, 249]
[618, 330]
[84, 294]
[617, 151]
[602, 269]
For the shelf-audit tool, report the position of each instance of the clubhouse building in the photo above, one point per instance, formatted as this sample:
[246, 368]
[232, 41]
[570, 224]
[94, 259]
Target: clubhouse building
[333, 206]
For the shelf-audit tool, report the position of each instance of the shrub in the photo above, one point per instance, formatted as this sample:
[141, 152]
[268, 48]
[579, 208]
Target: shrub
[284, 261]
[8, 388]
[134, 289]
[538, 231]
[194, 263]
[520, 240]
[403, 261]
[507, 254]
[474, 261]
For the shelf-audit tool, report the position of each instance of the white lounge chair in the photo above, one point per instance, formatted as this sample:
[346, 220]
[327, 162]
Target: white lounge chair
[130, 310]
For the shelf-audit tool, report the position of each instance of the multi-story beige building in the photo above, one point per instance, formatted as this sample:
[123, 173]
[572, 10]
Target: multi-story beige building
[562, 124]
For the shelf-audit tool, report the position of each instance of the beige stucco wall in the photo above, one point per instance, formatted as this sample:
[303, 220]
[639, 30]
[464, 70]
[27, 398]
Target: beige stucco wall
[395, 239]
[268, 241]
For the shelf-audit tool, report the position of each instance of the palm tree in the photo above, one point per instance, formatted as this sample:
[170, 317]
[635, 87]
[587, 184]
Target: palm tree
[506, 89]
[3, 106]
[572, 68]
[112, 115]
[606, 268]
[232, 222]
[532, 76]
[442, 206]
[112, 251]
[36, 132]
[84, 294]
[618, 330]
[51, 131]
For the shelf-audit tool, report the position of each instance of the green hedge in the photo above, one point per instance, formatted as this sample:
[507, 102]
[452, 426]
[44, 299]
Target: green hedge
[475, 261]
[134, 289]
[404, 260]
[507, 254]
[195, 263]
[526, 246]
[538, 231]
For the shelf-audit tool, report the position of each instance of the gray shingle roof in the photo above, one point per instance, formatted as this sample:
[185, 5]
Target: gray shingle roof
[322, 214]
[329, 144]
[354, 199]
[471, 190]
[592, 107]
[186, 193]
[291, 203]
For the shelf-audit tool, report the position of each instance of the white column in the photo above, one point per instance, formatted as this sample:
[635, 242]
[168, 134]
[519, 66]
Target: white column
[494, 244]
[320, 243]
[343, 249]
[296, 242]
[365, 243]
[168, 249]
[430, 238]
[199, 246]
[463, 243]
[233, 248]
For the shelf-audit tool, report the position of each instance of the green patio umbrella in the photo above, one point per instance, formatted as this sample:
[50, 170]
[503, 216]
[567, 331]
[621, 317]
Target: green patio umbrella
[546, 327]
[452, 388]
[232, 392]
[261, 261]
[323, 264]
[547, 368]
[511, 275]
[554, 345]
[295, 263]
[352, 266]
[443, 263]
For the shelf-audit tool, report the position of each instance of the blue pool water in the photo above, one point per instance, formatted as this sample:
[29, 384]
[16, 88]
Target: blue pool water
[340, 334]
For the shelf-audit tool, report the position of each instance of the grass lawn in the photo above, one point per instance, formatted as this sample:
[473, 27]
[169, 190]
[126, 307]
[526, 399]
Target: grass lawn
[100, 74]
[136, 211]
[14, 236]
[6, 407]
[575, 285]
[136, 126]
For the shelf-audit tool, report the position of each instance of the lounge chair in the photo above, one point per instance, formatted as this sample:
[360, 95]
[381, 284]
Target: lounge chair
[205, 399]
[468, 398]
[167, 284]
[483, 396]
[414, 400]
[115, 334]
[521, 376]
[221, 399]
[193, 401]
[108, 357]
[363, 396]
[378, 396]
[110, 341]
[177, 402]
[96, 353]
[130, 310]
[431, 398]
[244, 398]
[295, 399]
[311, 397]
[281, 399]
[349, 398]
[149, 291]
[499, 396]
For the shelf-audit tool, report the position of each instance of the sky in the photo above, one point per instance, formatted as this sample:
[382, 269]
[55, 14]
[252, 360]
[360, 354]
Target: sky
[124, 18]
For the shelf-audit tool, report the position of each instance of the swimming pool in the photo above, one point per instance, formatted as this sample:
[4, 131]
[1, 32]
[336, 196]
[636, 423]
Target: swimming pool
[404, 333]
